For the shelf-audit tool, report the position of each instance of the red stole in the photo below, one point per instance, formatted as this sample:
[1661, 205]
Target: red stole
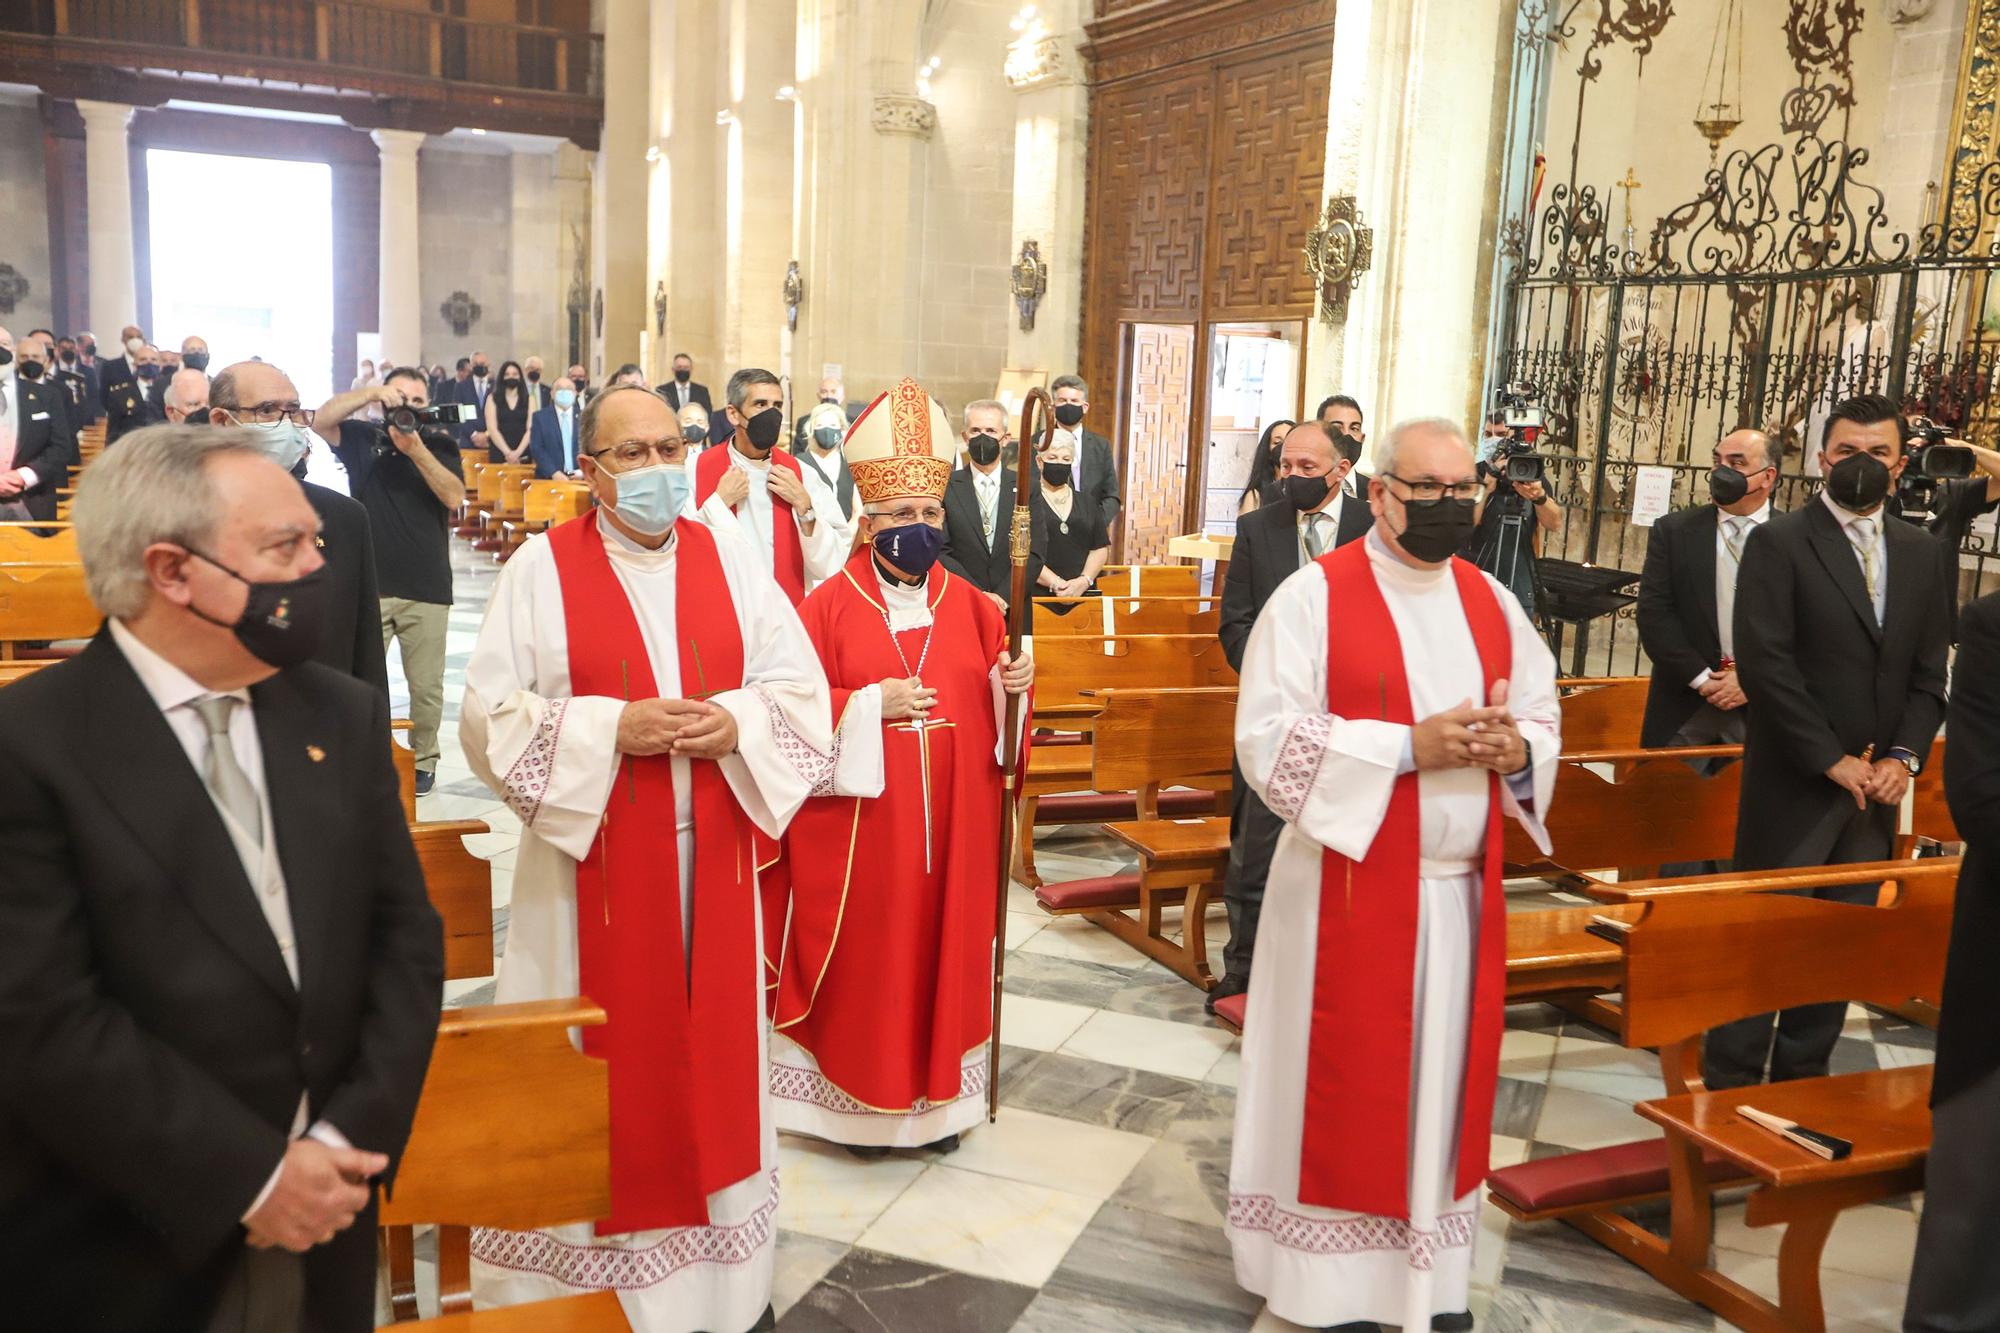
[680, 1040]
[788, 563]
[1356, 1147]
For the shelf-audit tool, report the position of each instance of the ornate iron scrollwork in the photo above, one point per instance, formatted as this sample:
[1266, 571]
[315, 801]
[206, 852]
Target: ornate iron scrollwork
[1637, 23]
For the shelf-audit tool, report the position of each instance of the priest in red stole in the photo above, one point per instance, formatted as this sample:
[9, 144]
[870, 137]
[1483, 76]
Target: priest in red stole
[884, 1005]
[646, 702]
[1392, 735]
[748, 486]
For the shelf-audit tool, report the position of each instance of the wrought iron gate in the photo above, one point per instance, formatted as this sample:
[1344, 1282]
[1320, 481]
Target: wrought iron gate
[1779, 290]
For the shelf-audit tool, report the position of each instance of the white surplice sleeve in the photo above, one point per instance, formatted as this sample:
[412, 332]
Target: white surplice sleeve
[551, 757]
[784, 749]
[827, 549]
[1533, 699]
[1329, 777]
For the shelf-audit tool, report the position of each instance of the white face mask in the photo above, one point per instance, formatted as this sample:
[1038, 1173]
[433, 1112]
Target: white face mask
[134, 346]
[283, 441]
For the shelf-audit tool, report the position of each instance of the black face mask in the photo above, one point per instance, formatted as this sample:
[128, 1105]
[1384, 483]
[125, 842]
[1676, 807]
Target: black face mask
[6, 356]
[694, 432]
[1069, 413]
[29, 370]
[1726, 485]
[479, 372]
[194, 360]
[68, 356]
[534, 377]
[512, 381]
[280, 624]
[146, 372]
[983, 449]
[1858, 482]
[682, 376]
[1056, 474]
[1435, 530]
[1305, 493]
[827, 437]
[764, 429]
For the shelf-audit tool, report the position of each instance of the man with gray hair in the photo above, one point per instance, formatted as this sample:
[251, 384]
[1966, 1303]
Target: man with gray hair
[187, 397]
[979, 510]
[760, 492]
[1391, 739]
[222, 973]
[1093, 471]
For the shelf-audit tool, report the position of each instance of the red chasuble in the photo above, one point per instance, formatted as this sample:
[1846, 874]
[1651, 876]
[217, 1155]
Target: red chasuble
[681, 1034]
[887, 977]
[1356, 1148]
[788, 561]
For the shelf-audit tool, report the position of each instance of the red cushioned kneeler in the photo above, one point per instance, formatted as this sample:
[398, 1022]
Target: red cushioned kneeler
[1082, 894]
[1581, 1180]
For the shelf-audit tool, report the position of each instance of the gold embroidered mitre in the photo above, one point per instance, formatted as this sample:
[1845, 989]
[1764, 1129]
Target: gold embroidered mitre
[901, 446]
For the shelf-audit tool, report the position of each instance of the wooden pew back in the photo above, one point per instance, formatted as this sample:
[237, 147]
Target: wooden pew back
[1067, 666]
[1602, 713]
[460, 886]
[47, 601]
[513, 1128]
[1150, 580]
[1660, 811]
[1695, 962]
[1127, 615]
[1163, 738]
[24, 544]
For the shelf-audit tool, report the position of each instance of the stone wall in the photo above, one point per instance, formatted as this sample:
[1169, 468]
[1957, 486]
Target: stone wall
[24, 224]
[466, 206]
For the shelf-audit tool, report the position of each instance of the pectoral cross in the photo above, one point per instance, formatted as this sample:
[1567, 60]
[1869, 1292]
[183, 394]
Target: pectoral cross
[1629, 184]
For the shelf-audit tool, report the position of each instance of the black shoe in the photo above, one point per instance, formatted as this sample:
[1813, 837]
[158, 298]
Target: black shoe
[1452, 1323]
[949, 1143]
[425, 781]
[865, 1152]
[767, 1320]
[1231, 984]
[1354, 1326]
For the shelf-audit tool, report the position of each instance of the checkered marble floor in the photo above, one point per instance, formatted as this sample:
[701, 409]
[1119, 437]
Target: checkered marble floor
[1096, 1202]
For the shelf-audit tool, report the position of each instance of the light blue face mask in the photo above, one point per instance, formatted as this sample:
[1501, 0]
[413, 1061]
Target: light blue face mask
[283, 441]
[565, 398]
[651, 498]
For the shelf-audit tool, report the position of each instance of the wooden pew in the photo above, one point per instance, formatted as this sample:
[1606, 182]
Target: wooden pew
[44, 602]
[11, 671]
[1144, 740]
[1149, 580]
[471, 462]
[1658, 811]
[38, 544]
[1693, 962]
[405, 760]
[543, 505]
[502, 504]
[1126, 615]
[460, 886]
[512, 1131]
[1602, 713]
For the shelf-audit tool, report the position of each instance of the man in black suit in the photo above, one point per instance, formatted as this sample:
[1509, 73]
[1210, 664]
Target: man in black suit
[979, 510]
[79, 382]
[1312, 515]
[1687, 599]
[682, 390]
[133, 393]
[1955, 1284]
[1842, 624]
[37, 440]
[222, 974]
[538, 392]
[1095, 472]
[261, 398]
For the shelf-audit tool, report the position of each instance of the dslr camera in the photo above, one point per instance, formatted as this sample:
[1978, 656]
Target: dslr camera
[1514, 458]
[434, 424]
[1930, 460]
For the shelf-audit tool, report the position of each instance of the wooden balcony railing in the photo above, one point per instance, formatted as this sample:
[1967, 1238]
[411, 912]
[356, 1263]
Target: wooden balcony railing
[373, 38]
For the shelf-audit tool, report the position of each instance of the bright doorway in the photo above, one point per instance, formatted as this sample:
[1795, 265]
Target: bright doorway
[242, 254]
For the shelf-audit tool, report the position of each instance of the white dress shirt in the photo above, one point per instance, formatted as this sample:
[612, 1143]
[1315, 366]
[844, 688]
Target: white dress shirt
[1329, 525]
[10, 417]
[1851, 526]
[1725, 578]
[175, 693]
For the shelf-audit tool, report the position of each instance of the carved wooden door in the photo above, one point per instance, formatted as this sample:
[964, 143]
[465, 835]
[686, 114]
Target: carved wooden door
[1159, 401]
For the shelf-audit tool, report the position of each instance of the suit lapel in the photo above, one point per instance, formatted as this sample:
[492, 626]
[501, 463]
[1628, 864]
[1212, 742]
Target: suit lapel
[299, 786]
[1701, 535]
[1285, 538]
[176, 821]
[1830, 543]
[1901, 559]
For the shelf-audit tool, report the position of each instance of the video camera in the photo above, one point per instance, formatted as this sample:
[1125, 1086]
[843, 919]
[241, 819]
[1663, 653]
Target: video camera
[1930, 460]
[1514, 459]
[436, 424]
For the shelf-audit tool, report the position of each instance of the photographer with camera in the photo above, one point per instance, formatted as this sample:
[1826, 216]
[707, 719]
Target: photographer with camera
[1946, 484]
[1504, 544]
[404, 471]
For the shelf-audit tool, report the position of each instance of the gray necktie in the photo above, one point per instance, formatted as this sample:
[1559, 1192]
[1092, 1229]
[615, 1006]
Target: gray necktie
[1315, 547]
[226, 780]
[1734, 532]
[1864, 537]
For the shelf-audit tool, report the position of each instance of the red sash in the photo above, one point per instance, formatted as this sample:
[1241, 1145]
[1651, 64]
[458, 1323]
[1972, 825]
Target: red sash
[1355, 1153]
[788, 564]
[680, 1040]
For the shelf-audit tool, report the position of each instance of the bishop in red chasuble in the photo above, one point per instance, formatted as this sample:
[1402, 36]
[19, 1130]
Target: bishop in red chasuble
[1392, 737]
[884, 977]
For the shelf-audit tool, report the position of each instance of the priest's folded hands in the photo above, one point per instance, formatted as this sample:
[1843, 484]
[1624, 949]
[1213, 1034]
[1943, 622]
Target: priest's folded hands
[690, 728]
[1465, 736]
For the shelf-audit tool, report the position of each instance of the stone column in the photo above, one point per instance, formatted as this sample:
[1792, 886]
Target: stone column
[763, 36]
[399, 314]
[692, 206]
[114, 282]
[1050, 140]
[538, 283]
[621, 204]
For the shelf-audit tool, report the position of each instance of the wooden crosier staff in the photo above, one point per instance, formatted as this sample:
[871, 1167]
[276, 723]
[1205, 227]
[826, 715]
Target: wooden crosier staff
[1010, 735]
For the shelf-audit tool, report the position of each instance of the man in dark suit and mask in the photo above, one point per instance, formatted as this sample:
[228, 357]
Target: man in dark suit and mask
[1312, 515]
[979, 510]
[1842, 623]
[222, 974]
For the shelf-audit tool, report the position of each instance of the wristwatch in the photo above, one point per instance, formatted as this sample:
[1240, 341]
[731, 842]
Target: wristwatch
[807, 516]
[1906, 759]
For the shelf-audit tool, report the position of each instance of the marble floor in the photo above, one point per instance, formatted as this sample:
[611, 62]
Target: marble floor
[1096, 1202]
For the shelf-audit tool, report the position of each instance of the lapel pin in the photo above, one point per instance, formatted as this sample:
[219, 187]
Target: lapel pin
[314, 753]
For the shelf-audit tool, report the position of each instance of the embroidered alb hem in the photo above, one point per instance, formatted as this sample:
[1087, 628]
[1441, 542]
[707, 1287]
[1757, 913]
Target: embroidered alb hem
[793, 1084]
[1351, 1233]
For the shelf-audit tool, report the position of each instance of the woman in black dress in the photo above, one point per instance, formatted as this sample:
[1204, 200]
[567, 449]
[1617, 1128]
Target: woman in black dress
[507, 416]
[1264, 466]
[1077, 541]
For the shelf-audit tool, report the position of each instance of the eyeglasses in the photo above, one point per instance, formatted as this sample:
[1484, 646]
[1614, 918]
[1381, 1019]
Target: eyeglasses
[904, 515]
[1425, 491]
[636, 453]
[264, 413]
